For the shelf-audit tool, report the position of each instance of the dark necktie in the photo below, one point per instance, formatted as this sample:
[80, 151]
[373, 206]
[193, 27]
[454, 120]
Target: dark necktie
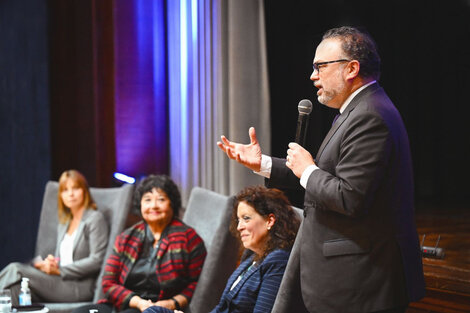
[336, 117]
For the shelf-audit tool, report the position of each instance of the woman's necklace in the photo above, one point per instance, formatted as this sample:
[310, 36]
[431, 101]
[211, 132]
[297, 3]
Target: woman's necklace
[241, 275]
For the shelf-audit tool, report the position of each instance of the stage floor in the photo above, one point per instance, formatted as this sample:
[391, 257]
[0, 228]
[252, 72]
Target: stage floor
[447, 279]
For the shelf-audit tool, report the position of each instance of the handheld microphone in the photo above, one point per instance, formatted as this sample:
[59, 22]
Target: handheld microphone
[305, 108]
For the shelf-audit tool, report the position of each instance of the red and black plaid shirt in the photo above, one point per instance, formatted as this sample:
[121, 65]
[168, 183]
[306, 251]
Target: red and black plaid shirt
[180, 257]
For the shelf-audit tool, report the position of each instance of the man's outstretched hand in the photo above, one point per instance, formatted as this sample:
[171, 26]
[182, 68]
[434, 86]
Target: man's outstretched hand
[248, 155]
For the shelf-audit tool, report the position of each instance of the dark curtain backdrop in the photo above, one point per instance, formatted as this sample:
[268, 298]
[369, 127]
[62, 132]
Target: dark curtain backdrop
[425, 65]
[24, 124]
[81, 45]
[57, 96]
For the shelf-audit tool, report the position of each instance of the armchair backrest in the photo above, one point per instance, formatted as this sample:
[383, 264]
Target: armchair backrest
[300, 213]
[47, 230]
[209, 213]
[205, 212]
[289, 290]
[115, 204]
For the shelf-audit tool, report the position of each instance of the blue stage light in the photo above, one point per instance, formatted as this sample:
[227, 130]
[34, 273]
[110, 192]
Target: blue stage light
[124, 178]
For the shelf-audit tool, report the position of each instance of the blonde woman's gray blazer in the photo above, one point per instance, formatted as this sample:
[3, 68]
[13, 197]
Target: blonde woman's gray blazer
[89, 246]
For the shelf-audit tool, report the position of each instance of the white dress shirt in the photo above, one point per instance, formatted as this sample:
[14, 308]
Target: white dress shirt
[66, 249]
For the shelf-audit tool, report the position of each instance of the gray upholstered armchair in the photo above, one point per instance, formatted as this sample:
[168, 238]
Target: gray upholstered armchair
[290, 287]
[209, 214]
[114, 203]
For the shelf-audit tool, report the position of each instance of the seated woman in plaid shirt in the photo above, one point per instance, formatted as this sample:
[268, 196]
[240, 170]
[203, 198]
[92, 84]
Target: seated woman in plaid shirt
[156, 261]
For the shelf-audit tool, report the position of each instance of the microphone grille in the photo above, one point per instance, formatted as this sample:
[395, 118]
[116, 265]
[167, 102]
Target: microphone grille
[305, 107]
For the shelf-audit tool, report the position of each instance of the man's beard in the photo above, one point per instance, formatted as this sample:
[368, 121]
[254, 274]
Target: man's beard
[332, 93]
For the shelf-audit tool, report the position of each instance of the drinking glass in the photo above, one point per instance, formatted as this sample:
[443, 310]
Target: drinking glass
[5, 301]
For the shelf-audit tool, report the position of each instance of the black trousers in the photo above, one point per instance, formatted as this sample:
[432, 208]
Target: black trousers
[400, 309]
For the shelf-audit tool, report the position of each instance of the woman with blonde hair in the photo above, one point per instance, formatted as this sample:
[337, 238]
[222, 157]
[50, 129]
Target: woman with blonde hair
[82, 238]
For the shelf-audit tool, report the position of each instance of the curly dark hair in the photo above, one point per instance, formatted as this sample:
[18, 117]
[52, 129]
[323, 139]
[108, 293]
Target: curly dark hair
[162, 182]
[267, 201]
[358, 45]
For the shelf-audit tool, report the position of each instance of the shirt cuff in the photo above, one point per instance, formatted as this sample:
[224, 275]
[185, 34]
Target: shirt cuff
[266, 165]
[306, 175]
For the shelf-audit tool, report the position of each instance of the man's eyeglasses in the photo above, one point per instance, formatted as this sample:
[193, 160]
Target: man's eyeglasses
[316, 66]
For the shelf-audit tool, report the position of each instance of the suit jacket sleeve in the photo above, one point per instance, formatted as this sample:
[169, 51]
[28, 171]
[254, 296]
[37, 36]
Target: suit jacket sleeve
[283, 178]
[95, 240]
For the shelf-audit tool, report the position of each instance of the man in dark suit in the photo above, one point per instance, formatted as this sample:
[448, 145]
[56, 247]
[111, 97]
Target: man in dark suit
[357, 249]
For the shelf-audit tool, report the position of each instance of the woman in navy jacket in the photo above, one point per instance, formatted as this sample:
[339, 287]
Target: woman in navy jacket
[266, 225]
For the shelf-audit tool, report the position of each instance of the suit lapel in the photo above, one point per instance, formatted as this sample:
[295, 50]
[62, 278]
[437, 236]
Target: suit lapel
[232, 293]
[330, 134]
[79, 231]
[61, 230]
[344, 116]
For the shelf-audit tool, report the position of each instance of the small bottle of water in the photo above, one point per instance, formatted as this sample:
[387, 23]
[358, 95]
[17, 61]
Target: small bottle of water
[25, 293]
